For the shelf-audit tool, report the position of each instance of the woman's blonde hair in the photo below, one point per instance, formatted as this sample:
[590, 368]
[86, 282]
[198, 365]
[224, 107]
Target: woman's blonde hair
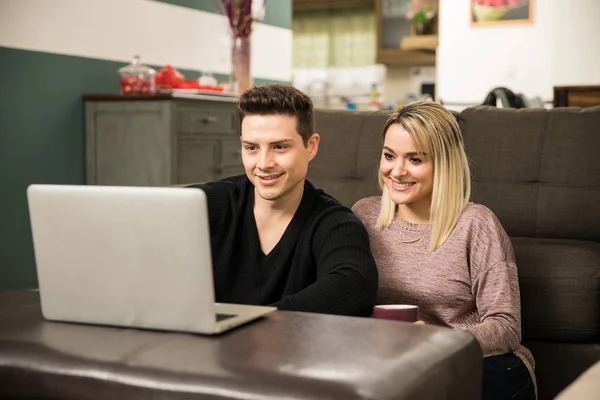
[436, 134]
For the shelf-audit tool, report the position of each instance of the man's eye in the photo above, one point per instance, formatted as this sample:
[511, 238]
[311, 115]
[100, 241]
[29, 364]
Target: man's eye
[280, 147]
[250, 148]
[388, 156]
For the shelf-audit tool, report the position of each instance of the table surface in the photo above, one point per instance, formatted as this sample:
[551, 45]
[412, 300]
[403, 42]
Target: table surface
[288, 355]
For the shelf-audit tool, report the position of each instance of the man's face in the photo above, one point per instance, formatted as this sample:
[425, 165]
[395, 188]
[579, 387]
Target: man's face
[274, 156]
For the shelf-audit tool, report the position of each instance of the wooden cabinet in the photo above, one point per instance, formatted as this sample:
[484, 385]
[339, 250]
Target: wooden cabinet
[161, 140]
[576, 96]
[392, 27]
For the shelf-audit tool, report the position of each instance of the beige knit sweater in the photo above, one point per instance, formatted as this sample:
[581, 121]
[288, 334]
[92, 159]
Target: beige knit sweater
[470, 282]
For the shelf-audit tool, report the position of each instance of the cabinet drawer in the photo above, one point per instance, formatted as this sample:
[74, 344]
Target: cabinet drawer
[207, 121]
[231, 153]
[196, 161]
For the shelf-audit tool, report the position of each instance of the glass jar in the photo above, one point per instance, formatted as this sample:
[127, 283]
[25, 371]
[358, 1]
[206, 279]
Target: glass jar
[137, 78]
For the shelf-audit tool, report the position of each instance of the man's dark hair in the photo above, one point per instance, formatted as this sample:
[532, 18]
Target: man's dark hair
[276, 99]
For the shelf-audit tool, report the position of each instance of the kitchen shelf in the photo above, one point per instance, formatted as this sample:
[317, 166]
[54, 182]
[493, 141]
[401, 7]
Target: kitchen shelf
[329, 4]
[392, 29]
[404, 57]
[419, 42]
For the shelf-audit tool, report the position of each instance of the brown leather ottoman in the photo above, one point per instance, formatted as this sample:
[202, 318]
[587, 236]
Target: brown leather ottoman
[283, 356]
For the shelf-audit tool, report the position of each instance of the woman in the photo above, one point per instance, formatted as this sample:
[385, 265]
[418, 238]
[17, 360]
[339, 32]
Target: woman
[435, 249]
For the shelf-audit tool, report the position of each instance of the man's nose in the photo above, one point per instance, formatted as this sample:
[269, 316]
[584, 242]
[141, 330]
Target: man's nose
[265, 160]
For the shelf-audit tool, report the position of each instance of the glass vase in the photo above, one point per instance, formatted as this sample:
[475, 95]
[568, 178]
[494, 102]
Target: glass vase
[424, 28]
[240, 65]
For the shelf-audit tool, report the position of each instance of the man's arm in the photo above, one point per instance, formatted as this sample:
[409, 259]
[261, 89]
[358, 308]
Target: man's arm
[346, 272]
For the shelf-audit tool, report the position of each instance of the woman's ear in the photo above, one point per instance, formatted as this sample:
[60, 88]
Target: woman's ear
[313, 145]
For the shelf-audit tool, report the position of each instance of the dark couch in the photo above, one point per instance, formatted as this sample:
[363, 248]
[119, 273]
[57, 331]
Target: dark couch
[539, 171]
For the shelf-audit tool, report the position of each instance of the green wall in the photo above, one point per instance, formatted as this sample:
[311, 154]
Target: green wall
[277, 12]
[42, 139]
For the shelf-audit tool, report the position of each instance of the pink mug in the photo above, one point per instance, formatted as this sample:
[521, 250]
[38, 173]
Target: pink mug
[398, 312]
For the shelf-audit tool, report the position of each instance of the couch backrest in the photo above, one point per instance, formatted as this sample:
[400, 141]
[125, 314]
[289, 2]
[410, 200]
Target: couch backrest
[348, 158]
[537, 169]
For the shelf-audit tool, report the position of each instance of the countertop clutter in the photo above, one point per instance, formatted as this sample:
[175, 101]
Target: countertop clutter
[138, 78]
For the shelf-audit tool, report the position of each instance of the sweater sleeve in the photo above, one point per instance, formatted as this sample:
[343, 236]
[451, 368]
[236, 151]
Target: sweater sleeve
[497, 296]
[495, 287]
[346, 282]
[220, 199]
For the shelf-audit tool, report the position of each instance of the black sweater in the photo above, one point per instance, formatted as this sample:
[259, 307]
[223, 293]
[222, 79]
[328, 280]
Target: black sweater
[322, 263]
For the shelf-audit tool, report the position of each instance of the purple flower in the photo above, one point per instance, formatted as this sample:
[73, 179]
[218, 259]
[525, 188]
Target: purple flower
[241, 14]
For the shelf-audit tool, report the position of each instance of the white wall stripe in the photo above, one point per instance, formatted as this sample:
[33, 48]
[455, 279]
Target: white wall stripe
[160, 33]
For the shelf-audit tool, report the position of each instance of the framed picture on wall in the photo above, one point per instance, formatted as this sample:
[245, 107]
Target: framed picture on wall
[501, 12]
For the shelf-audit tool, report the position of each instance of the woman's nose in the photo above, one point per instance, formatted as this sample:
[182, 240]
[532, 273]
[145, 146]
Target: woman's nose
[399, 169]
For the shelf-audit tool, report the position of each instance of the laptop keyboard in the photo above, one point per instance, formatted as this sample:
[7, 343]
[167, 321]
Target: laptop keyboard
[222, 317]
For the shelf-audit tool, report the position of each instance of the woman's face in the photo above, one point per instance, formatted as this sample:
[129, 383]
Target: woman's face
[408, 177]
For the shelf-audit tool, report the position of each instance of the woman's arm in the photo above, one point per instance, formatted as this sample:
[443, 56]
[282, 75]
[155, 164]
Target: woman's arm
[494, 284]
[496, 292]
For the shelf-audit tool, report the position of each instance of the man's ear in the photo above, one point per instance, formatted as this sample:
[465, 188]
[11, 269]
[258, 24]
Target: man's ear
[313, 145]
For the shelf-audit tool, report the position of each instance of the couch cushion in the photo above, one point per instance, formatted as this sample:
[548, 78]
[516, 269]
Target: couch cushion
[571, 148]
[348, 158]
[370, 146]
[336, 158]
[503, 144]
[536, 168]
[560, 289]
[348, 190]
[513, 203]
[568, 212]
[558, 364]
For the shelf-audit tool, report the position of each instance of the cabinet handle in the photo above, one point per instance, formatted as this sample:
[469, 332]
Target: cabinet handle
[208, 120]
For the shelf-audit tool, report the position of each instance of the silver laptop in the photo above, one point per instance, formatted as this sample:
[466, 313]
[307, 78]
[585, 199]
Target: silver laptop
[128, 256]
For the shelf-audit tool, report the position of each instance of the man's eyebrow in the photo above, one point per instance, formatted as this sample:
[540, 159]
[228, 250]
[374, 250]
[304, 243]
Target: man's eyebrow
[279, 142]
[285, 141]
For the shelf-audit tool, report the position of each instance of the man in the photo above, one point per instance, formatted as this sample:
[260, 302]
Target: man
[276, 239]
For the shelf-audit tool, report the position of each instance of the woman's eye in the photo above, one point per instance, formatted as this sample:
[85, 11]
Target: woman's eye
[415, 160]
[388, 156]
